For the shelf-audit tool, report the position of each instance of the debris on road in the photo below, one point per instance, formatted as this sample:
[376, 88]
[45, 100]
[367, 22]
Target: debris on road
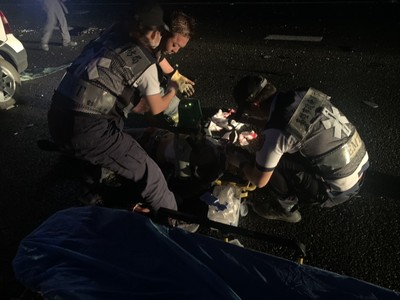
[370, 104]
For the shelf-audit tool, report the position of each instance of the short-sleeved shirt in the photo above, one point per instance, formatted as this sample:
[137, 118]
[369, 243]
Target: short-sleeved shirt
[277, 142]
[148, 83]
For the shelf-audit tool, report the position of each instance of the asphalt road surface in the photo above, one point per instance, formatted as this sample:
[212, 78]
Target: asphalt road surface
[358, 59]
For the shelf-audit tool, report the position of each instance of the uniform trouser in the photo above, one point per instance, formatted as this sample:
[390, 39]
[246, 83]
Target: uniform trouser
[101, 142]
[55, 16]
[294, 181]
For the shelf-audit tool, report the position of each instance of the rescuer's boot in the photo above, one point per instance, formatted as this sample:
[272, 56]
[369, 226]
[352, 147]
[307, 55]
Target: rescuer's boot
[274, 211]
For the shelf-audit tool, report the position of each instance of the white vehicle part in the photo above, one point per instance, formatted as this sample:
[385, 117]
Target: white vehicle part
[4, 28]
[10, 84]
[14, 43]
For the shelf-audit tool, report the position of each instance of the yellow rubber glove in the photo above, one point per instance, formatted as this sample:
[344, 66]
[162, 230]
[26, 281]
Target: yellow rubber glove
[185, 85]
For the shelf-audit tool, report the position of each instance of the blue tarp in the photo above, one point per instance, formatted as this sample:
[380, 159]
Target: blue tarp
[101, 253]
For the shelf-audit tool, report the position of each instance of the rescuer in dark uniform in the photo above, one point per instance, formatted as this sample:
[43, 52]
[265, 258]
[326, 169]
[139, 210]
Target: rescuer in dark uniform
[310, 152]
[89, 107]
[181, 30]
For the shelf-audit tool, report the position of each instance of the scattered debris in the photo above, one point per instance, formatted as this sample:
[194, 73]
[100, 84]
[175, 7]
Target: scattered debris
[246, 136]
[220, 121]
[41, 72]
[370, 104]
[90, 30]
[25, 30]
[29, 125]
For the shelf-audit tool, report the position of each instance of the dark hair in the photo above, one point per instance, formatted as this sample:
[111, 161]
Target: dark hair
[181, 23]
[144, 16]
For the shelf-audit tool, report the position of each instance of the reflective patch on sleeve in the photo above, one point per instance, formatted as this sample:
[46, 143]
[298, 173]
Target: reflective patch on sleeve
[104, 62]
[92, 71]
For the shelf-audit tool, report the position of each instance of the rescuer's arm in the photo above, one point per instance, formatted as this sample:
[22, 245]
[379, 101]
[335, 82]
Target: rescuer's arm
[249, 169]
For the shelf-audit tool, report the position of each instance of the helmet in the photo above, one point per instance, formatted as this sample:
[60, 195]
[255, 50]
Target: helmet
[149, 14]
[246, 91]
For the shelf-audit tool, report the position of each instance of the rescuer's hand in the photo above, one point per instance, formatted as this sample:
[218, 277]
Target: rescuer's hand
[185, 85]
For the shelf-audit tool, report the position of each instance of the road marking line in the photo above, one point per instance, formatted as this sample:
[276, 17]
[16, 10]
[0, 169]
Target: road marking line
[301, 38]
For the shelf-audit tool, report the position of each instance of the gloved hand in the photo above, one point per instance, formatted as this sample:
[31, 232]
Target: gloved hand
[185, 85]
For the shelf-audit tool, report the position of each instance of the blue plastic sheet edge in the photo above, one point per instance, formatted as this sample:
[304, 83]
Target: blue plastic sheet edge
[102, 253]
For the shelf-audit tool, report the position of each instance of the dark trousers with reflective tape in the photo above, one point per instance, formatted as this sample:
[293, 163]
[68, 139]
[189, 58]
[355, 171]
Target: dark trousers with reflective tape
[294, 177]
[102, 142]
